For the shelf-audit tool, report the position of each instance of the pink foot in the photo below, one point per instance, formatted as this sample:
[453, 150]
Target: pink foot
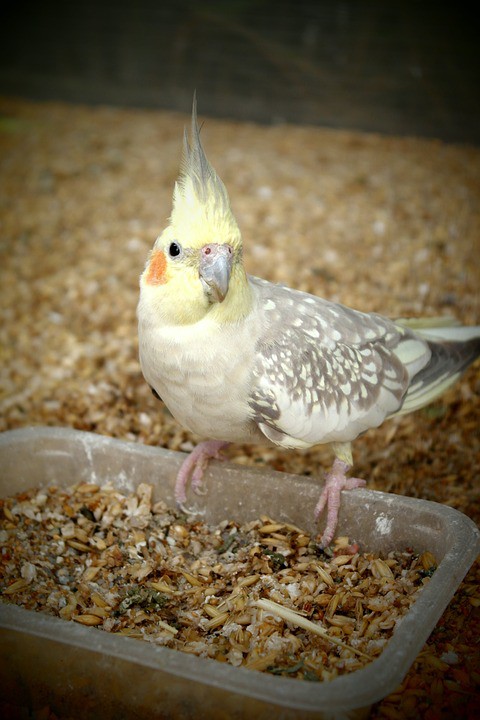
[194, 466]
[335, 482]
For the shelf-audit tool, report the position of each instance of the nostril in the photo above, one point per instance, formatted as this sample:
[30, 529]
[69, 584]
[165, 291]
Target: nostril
[217, 248]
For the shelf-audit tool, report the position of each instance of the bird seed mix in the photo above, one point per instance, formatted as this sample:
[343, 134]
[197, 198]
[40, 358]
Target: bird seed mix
[260, 595]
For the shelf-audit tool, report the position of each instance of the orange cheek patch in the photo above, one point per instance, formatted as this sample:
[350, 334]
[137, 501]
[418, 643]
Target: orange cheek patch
[156, 273]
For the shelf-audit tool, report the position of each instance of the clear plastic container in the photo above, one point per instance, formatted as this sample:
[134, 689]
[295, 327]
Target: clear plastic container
[82, 672]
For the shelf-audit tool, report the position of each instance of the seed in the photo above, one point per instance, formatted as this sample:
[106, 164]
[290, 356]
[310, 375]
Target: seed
[67, 611]
[387, 624]
[362, 628]
[78, 545]
[87, 619]
[191, 578]
[427, 560]
[8, 514]
[301, 566]
[68, 531]
[372, 628]
[87, 489]
[380, 569]
[163, 587]
[392, 713]
[240, 640]
[243, 619]
[211, 610]
[81, 535]
[90, 573]
[138, 537]
[325, 575]
[272, 527]
[302, 541]
[98, 600]
[217, 621]
[100, 612]
[332, 606]
[274, 542]
[435, 662]
[179, 531]
[130, 632]
[19, 584]
[340, 620]
[256, 662]
[140, 616]
[99, 543]
[323, 599]
[436, 687]
[247, 581]
[167, 627]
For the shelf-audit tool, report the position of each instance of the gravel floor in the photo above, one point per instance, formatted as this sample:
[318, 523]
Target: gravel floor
[383, 224]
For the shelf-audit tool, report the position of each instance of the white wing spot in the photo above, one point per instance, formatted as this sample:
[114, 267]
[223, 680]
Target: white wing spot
[288, 371]
[390, 372]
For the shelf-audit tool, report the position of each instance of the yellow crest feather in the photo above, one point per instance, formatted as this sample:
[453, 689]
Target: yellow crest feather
[201, 206]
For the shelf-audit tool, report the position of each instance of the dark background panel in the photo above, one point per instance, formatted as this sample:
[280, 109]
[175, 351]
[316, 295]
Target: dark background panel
[390, 66]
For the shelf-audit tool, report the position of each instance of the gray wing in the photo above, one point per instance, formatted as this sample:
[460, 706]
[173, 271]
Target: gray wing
[326, 373]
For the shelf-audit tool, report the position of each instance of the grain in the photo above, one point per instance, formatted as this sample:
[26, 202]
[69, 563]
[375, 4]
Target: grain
[261, 608]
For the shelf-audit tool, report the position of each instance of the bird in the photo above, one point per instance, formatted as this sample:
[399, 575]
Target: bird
[239, 359]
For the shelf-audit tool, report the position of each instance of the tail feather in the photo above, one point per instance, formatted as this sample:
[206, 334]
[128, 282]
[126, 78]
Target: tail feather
[417, 323]
[450, 358]
[440, 328]
[459, 334]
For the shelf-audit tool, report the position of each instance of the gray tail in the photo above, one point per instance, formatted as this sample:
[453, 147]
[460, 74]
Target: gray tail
[450, 358]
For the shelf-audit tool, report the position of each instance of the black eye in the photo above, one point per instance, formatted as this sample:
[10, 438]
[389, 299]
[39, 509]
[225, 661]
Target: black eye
[174, 250]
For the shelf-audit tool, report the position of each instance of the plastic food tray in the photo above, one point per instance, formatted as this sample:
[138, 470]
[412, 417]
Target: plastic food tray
[83, 672]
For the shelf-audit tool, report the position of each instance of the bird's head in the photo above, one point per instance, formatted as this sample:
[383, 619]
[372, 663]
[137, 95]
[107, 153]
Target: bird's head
[195, 266]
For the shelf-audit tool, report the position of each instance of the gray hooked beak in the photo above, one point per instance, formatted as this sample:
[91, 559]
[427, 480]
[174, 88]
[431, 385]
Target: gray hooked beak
[215, 268]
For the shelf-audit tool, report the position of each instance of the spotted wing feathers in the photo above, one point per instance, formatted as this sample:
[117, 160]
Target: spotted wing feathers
[326, 373]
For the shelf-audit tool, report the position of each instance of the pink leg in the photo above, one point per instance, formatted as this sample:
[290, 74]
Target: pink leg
[335, 482]
[194, 466]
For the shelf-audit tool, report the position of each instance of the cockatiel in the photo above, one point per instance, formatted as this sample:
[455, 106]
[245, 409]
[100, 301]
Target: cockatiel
[239, 359]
